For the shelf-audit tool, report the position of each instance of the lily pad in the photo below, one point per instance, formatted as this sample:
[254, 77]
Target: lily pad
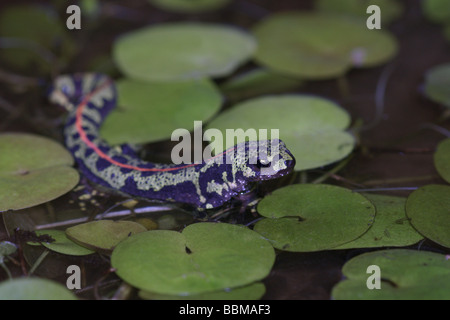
[253, 291]
[151, 111]
[182, 51]
[437, 84]
[391, 227]
[305, 218]
[26, 47]
[62, 244]
[312, 127]
[205, 257]
[319, 45]
[442, 160]
[390, 9]
[405, 275]
[33, 170]
[437, 10]
[103, 235]
[258, 82]
[191, 6]
[429, 210]
[34, 289]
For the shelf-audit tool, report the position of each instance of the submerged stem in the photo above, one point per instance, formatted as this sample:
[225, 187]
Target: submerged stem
[113, 214]
[399, 180]
[334, 170]
[5, 267]
[380, 94]
[38, 262]
[436, 128]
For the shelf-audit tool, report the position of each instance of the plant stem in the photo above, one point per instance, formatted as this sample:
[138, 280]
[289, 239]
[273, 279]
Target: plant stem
[293, 177]
[113, 214]
[334, 170]
[400, 180]
[303, 177]
[6, 270]
[437, 128]
[386, 189]
[380, 94]
[38, 262]
[123, 292]
[344, 87]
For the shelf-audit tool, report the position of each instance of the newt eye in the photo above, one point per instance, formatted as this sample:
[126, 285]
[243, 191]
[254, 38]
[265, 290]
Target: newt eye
[262, 163]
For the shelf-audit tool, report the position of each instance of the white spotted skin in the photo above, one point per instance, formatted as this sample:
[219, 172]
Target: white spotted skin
[205, 186]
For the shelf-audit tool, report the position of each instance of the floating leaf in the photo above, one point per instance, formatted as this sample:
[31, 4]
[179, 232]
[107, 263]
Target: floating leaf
[390, 9]
[103, 235]
[190, 6]
[429, 210]
[28, 47]
[62, 244]
[437, 10]
[151, 111]
[313, 129]
[437, 84]
[308, 218]
[253, 291]
[182, 51]
[258, 82]
[319, 46]
[442, 160]
[405, 275]
[391, 227]
[205, 257]
[34, 289]
[33, 170]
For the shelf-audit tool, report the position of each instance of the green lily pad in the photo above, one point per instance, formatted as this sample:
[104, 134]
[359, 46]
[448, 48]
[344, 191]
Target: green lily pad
[34, 289]
[253, 291]
[151, 111]
[103, 235]
[437, 84]
[437, 10]
[320, 46]
[305, 218]
[311, 127]
[33, 170]
[205, 257]
[405, 275]
[62, 244]
[442, 160]
[319, 148]
[429, 210]
[258, 82]
[182, 51]
[191, 6]
[391, 227]
[390, 9]
[25, 47]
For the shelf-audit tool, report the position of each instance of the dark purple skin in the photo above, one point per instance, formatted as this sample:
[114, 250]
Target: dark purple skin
[193, 184]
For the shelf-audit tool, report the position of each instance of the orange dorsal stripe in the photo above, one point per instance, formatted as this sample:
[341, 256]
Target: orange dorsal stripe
[101, 154]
